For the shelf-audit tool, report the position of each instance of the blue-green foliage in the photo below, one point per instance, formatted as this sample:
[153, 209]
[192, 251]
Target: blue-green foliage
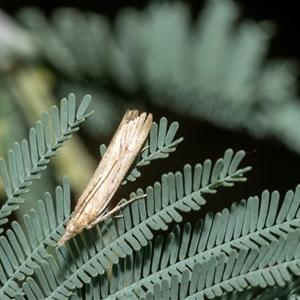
[27, 160]
[214, 67]
[250, 251]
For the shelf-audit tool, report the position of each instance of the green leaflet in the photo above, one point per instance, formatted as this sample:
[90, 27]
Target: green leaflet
[211, 258]
[28, 159]
[219, 264]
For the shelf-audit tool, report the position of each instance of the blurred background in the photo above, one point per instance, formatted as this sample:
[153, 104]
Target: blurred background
[227, 71]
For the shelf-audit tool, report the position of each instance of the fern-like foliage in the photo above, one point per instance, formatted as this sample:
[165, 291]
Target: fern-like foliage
[250, 251]
[28, 159]
[91, 253]
[44, 227]
[213, 68]
[23, 247]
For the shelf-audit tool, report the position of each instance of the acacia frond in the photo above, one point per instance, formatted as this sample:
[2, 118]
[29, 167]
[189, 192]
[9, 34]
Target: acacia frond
[28, 159]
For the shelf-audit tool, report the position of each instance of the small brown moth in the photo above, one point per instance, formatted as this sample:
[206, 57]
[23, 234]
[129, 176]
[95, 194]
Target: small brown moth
[119, 156]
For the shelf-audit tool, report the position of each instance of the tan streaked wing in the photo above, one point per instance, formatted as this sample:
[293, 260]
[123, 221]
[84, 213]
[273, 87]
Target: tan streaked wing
[118, 158]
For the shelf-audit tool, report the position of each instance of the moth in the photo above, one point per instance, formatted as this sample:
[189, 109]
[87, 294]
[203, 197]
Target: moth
[124, 147]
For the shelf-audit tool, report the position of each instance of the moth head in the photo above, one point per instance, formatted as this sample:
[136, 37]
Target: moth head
[72, 229]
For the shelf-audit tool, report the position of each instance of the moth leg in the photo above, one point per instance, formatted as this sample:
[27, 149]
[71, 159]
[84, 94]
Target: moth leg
[124, 204]
[118, 216]
[144, 148]
[129, 201]
[109, 213]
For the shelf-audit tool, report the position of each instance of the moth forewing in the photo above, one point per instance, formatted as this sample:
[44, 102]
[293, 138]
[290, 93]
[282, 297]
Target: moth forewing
[114, 165]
